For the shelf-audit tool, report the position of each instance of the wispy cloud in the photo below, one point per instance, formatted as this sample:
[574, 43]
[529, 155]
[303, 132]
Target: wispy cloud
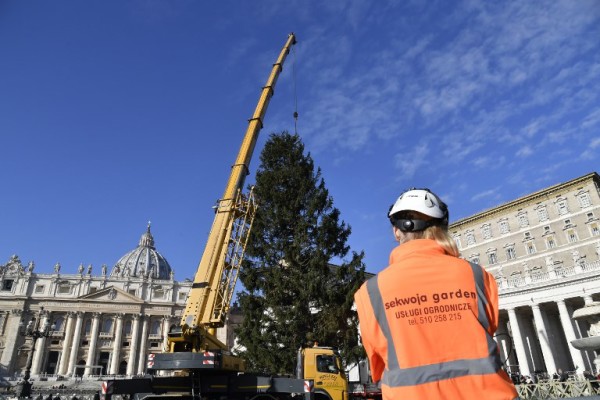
[590, 153]
[484, 194]
[411, 160]
[524, 151]
[482, 84]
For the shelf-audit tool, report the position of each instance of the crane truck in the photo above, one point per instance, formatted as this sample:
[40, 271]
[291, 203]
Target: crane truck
[196, 365]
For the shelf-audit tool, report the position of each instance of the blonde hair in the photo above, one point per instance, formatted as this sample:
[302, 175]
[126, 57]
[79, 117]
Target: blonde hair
[437, 233]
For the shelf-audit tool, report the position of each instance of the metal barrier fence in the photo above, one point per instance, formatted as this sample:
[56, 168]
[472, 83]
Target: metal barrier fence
[558, 390]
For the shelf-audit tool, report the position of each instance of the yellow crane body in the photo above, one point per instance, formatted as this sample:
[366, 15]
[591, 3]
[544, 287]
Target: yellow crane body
[214, 283]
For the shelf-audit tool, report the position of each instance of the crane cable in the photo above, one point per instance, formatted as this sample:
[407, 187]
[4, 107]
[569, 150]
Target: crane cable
[295, 90]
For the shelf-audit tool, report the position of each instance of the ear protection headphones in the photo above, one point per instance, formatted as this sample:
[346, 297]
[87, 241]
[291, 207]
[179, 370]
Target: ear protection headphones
[412, 225]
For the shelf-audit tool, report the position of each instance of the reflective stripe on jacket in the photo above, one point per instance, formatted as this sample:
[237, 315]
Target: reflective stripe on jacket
[427, 324]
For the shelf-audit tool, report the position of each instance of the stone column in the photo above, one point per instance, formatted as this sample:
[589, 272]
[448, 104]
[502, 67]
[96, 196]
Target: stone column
[567, 325]
[135, 333]
[75, 343]
[11, 335]
[114, 364]
[165, 333]
[518, 342]
[40, 346]
[67, 343]
[91, 357]
[504, 345]
[143, 346]
[542, 334]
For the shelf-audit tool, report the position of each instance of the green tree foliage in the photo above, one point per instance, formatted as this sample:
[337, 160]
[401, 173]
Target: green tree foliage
[292, 295]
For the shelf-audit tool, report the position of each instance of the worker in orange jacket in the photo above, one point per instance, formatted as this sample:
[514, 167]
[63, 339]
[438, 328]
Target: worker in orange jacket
[427, 321]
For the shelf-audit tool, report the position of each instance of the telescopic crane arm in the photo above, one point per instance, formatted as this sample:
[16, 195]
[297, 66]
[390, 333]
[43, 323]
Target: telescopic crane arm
[210, 297]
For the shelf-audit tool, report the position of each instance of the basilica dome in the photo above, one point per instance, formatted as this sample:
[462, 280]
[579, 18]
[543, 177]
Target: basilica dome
[143, 261]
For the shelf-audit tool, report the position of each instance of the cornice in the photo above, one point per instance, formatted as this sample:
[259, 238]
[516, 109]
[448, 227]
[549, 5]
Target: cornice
[525, 200]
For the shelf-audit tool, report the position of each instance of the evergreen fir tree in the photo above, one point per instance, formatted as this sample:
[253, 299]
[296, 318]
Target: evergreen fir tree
[292, 295]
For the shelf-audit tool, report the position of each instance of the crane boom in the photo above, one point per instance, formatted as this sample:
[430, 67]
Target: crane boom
[210, 297]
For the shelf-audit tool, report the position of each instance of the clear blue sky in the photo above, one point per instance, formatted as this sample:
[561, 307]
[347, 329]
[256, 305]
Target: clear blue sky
[114, 113]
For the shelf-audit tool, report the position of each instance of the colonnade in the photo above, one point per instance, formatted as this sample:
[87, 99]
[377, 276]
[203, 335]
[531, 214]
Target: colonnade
[541, 336]
[72, 351]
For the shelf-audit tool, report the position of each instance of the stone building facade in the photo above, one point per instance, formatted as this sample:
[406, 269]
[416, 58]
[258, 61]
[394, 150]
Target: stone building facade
[543, 250]
[103, 324]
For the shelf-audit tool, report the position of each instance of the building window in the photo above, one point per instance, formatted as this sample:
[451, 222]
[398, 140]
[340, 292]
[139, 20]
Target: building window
[456, 238]
[594, 230]
[127, 328]
[562, 207]
[486, 231]
[542, 213]
[87, 327]
[7, 284]
[470, 238]
[182, 296]
[474, 258]
[131, 291]
[64, 288]
[511, 254]
[39, 289]
[550, 243]
[492, 258]
[155, 328]
[504, 227]
[107, 326]
[584, 200]
[159, 294]
[530, 248]
[522, 218]
[527, 236]
[58, 324]
[571, 235]
[568, 223]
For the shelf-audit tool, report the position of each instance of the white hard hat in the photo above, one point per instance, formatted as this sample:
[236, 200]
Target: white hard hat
[423, 201]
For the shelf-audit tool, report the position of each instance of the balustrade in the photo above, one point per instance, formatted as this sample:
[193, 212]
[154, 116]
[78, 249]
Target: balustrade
[546, 276]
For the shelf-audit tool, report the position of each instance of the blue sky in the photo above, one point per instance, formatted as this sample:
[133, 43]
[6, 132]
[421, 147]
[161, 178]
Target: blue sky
[115, 113]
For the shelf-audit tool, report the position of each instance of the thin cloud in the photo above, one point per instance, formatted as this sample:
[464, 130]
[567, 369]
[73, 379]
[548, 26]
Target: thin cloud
[485, 194]
[495, 80]
[591, 120]
[408, 166]
[590, 152]
[524, 151]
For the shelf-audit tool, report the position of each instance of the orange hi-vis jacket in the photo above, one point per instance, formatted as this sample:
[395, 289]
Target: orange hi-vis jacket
[427, 323]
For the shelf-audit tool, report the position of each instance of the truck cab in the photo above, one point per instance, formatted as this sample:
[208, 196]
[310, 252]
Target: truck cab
[323, 365]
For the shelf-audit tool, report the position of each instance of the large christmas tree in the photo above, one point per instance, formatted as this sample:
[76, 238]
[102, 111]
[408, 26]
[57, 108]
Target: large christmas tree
[293, 296]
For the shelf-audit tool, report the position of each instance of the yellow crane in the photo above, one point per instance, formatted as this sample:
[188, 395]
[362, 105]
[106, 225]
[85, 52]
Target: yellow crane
[211, 372]
[210, 297]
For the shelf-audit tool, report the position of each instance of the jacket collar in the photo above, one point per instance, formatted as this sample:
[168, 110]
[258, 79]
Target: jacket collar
[417, 245]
